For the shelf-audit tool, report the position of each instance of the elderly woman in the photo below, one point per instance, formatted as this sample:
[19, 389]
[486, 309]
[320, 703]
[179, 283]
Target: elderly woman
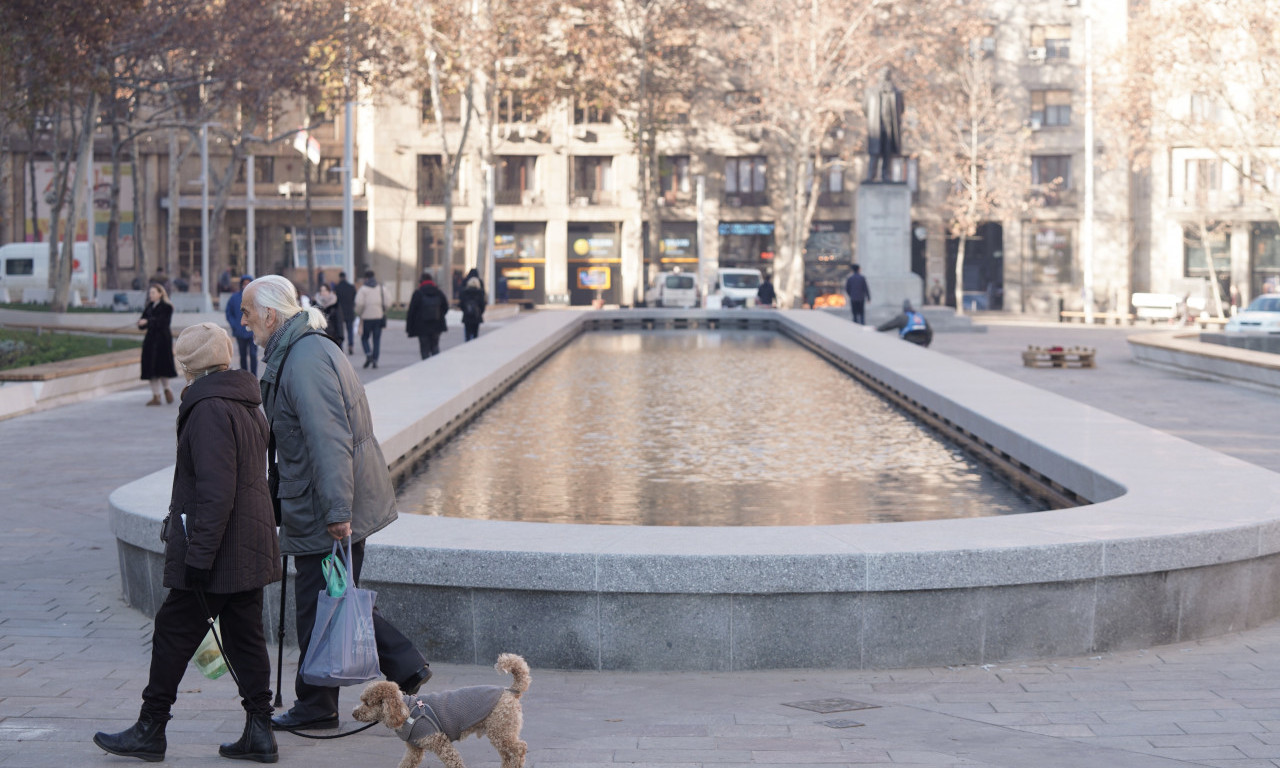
[220, 550]
[157, 345]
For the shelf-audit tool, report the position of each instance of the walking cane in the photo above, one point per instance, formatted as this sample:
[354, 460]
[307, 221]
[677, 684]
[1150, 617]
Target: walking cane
[284, 591]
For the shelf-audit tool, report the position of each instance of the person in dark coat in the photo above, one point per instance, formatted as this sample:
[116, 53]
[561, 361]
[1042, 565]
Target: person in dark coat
[220, 550]
[472, 303]
[327, 301]
[859, 292]
[244, 339]
[426, 317]
[346, 293]
[766, 295]
[157, 345]
[911, 326]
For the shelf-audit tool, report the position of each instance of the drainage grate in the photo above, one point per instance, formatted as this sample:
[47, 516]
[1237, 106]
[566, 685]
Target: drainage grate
[841, 723]
[827, 706]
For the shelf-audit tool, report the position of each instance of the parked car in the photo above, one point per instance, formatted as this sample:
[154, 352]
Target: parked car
[737, 287]
[672, 289]
[1261, 316]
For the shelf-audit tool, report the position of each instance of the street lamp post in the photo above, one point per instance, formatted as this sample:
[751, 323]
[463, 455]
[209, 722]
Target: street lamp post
[206, 304]
[250, 222]
[1087, 224]
[348, 206]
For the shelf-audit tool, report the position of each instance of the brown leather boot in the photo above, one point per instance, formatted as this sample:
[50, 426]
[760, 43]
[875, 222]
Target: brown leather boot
[155, 400]
[168, 395]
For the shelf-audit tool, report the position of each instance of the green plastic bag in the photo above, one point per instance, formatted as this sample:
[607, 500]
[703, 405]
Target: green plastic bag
[208, 658]
[335, 573]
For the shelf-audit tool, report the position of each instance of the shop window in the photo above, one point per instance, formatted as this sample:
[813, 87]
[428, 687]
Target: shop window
[1207, 253]
[1049, 254]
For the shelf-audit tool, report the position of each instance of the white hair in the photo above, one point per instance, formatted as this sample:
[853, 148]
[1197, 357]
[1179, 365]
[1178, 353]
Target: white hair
[278, 293]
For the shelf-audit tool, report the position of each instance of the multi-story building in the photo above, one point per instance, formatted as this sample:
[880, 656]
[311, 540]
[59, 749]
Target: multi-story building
[568, 225]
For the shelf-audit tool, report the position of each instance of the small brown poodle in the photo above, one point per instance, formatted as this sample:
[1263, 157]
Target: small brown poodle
[433, 721]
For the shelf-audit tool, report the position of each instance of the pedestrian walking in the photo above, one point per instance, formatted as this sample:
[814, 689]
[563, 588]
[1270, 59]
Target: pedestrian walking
[332, 478]
[346, 293]
[220, 551]
[244, 339]
[766, 295]
[157, 344]
[859, 293]
[910, 324]
[426, 318]
[371, 308]
[472, 302]
[327, 301]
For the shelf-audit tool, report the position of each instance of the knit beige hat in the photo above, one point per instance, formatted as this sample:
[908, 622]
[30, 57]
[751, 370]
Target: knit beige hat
[203, 347]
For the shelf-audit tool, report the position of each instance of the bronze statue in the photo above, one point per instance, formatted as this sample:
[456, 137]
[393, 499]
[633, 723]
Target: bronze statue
[884, 126]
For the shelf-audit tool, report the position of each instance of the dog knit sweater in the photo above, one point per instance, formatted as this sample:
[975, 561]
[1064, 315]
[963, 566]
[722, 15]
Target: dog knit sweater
[450, 712]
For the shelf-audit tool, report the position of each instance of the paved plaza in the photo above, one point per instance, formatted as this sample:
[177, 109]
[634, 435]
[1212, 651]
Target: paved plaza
[73, 656]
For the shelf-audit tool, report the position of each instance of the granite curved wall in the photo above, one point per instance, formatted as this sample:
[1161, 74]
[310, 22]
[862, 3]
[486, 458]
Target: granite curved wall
[1178, 542]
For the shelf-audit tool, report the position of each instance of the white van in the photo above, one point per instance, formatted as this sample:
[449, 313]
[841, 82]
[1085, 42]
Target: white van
[672, 289]
[26, 265]
[737, 287]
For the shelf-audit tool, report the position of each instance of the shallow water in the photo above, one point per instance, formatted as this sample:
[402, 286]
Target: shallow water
[699, 428]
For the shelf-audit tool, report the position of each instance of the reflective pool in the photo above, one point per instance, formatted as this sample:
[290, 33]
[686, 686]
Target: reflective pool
[699, 428]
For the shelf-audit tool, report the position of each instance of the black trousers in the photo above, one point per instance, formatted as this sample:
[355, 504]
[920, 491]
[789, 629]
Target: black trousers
[397, 658]
[349, 320]
[470, 331]
[181, 624]
[429, 344]
[859, 314]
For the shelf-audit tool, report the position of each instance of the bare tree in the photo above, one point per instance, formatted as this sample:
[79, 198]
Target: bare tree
[799, 78]
[973, 141]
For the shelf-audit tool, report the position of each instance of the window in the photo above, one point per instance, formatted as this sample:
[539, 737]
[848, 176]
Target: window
[452, 107]
[515, 176]
[831, 185]
[431, 250]
[745, 181]
[1051, 107]
[431, 180]
[592, 180]
[1203, 108]
[15, 267]
[1050, 253]
[264, 170]
[591, 113]
[328, 247]
[329, 171]
[1051, 174]
[1195, 261]
[673, 175]
[512, 108]
[1203, 181]
[1054, 39]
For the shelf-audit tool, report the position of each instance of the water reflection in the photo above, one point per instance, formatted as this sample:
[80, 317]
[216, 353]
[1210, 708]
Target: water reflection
[699, 428]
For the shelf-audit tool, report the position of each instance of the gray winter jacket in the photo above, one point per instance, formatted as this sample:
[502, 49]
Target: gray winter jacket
[331, 467]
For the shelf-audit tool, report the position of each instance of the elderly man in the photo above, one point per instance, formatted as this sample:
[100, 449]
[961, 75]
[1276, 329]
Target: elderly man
[332, 477]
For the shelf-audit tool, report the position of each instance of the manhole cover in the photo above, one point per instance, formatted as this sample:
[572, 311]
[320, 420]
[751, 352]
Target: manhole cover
[840, 723]
[827, 706]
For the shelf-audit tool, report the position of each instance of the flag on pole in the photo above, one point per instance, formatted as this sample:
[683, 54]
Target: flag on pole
[305, 143]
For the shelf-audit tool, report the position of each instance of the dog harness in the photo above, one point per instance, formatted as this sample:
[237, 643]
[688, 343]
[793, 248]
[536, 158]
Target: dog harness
[448, 712]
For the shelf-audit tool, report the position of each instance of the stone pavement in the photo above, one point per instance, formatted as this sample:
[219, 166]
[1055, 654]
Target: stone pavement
[73, 657]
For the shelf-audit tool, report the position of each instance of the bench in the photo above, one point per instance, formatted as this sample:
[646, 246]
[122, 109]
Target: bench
[1059, 357]
[1098, 317]
[1156, 306]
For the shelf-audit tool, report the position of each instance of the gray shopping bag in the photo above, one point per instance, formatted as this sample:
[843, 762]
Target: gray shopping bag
[342, 650]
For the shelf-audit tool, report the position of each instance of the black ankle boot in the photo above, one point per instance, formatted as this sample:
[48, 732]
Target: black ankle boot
[257, 743]
[144, 740]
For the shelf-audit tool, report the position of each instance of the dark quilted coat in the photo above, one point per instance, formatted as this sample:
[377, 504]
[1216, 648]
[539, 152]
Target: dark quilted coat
[220, 483]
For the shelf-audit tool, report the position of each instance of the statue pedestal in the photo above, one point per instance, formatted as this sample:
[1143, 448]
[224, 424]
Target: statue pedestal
[884, 248]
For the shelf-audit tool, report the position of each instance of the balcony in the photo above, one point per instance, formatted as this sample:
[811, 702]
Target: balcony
[745, 199]
[585, 197]
[524, 197]
[435, 196]
[1206, 200]
[671, 197]
[833, 199]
